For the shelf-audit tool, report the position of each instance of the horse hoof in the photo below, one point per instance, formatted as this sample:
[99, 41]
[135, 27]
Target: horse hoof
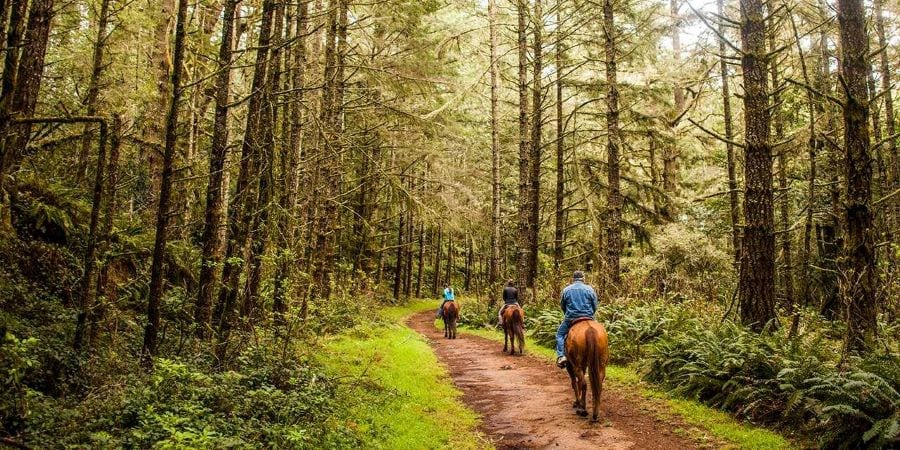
[595, 420]
[582, 413]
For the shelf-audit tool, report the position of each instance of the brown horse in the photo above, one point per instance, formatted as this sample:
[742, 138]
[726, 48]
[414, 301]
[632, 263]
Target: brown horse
[587, 348]
[451, 314]
[514, 328]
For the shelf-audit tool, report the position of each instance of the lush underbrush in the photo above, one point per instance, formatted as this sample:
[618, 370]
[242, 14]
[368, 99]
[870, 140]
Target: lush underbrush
[796, 384]
[401, 396]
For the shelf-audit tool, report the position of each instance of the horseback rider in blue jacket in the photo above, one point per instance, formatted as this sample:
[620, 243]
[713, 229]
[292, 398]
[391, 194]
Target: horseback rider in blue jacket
[449, 296]
[578, 300]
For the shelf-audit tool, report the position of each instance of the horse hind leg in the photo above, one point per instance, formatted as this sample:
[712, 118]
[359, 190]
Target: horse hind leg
[596, 395]
[506, 340]
[582, 411]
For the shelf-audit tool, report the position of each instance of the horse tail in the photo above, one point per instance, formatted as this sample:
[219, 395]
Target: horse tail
[594, 362]
[518, 323]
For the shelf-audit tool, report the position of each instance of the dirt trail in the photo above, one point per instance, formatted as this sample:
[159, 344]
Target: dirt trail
[527, 403]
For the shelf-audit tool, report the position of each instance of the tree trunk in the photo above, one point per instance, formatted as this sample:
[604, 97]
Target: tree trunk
[859, 261]
[243, 206]
[157, 283]
[787, 271]
[27, 83]
[398, 266]
[494, 270]
[534, 178]
[259, 236]
[614, 195]
[11, 42]
[523, 254]
[105, 286]
[733, 194]
[291, 169]
[559, 209]
[211, 258]
[671, 149]
[160, 54]
[813, 144]
[421, 260]
[757, 275]
[889, 120]
[436, 276]
[93, 92]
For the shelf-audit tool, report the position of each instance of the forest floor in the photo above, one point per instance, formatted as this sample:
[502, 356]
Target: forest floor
[525, 402]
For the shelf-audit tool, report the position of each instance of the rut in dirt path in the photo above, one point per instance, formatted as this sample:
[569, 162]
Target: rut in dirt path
[527, 403]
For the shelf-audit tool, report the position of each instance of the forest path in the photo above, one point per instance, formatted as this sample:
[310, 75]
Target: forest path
[526, 402]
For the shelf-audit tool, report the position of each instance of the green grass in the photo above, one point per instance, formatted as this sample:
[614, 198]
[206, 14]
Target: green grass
[709, 422]
[405, 399]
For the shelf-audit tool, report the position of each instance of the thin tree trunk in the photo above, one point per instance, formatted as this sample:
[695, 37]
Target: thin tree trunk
[559, 216]
[93, 92]
[787, 271]
[27, 83]
[12, 41]
[421, 260]
[859, 263]
[398, 266]
[733, 194]
[614, 195]
[534, 178]
[813, 144]
[436, 267]
[259, 237]
[524, 155]
[105, 286]
[671, 149]
[211, 258]
[494, 270]
[291, 175]
[160, 54]
[757, 275]
[157, 283]
[243, 205]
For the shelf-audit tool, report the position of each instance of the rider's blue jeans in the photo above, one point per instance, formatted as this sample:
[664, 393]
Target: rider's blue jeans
[561, 334]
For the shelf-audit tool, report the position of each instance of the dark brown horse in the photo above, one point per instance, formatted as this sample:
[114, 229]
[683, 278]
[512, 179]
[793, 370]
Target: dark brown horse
[451, 314]
[587, 349]
[514, 328]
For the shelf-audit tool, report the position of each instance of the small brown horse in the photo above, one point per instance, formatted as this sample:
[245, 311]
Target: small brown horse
[451, 314]
[587, 348]
[514, 328]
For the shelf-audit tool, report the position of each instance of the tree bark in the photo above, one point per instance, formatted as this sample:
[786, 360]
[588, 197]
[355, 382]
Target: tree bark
[523, 253]
[291, 169]
[157, 274]
[244, 203]
[559, 216]
[534, 178]
[787, 271]
[494, 269]
[859, 261]
[27, 83]
[93, 92]
[757, 275]
[160, 54]
[211, 258]
[614, 195]
[733, 194]
[12, 40]
[671, 149]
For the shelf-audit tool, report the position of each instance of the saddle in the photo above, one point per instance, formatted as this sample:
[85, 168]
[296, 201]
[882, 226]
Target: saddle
[581, 319]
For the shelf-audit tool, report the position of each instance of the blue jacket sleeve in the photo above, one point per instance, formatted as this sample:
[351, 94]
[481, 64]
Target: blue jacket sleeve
[562, 301]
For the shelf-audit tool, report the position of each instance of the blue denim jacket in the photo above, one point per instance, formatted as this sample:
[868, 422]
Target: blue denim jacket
[578, 300]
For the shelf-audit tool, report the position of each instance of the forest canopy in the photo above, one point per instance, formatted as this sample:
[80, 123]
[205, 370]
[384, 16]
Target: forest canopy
[194, 192]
